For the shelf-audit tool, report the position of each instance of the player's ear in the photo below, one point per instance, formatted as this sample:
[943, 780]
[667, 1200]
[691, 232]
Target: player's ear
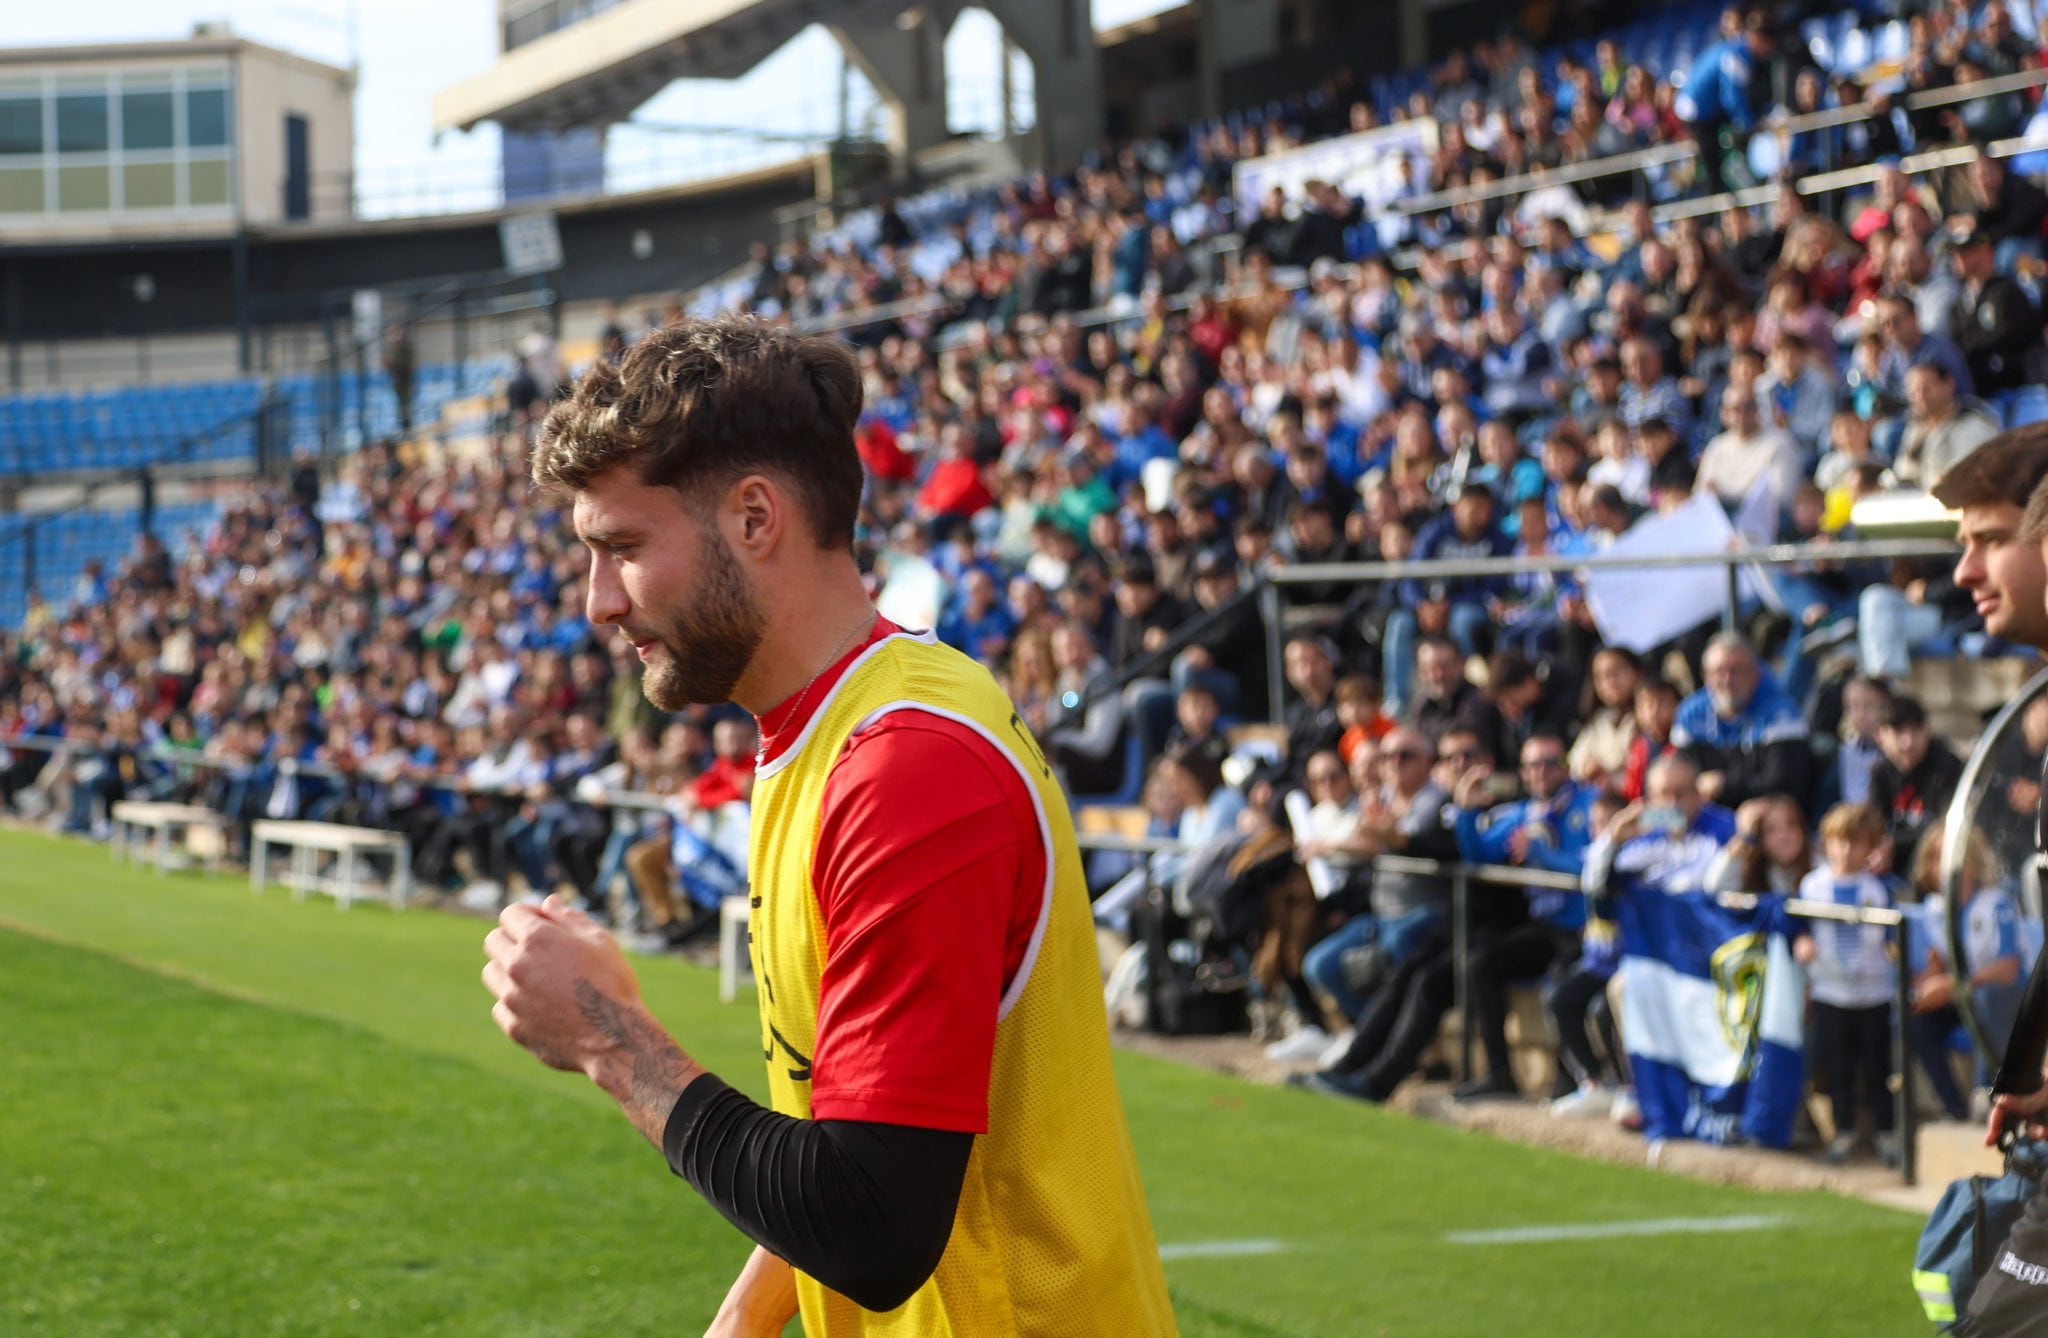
[755, 513]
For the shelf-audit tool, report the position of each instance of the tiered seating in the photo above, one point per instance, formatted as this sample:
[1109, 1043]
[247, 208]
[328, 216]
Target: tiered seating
[67, 541]
[206, 420]
[121, 429]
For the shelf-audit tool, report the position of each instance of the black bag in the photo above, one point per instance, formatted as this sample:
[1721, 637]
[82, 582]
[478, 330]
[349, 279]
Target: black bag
[1191, 989]
[1962, 1257]
[1982, 1267]
[2011, 1296]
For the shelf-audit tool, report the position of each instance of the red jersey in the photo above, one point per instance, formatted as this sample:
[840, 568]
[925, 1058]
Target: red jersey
[928, 829]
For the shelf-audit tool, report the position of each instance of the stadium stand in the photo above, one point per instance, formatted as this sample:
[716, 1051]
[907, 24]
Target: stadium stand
[1101, 409]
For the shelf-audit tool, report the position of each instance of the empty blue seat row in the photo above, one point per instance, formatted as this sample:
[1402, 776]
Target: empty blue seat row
[66, 542]
[211, 421]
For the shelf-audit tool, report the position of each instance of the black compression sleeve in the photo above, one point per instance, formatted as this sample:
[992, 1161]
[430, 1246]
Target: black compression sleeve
[866, 1209]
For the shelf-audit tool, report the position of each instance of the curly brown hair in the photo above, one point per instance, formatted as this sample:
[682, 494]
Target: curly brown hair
[701, 404]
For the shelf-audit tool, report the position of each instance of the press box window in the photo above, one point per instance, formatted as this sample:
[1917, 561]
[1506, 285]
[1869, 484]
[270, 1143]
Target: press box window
[146, 122]
[82, 123]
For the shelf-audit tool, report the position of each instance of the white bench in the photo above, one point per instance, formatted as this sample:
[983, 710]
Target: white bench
[351, 846]
[141, 823]
[734, 915]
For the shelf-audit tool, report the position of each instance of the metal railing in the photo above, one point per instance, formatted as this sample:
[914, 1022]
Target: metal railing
[1636, 160]
[1272, 581]
[1462, 877]
[1657, 155]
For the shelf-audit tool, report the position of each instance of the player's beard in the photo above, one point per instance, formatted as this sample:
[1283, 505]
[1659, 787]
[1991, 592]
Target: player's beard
[710, 638]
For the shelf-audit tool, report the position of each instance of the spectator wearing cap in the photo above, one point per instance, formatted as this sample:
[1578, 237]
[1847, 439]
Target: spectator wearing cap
[1467, 530]
[1911, 787]
[1228, 657]
[1995, 323]
[1146, 615]
[1407, 815]
[1197, 725]
[1745, 737]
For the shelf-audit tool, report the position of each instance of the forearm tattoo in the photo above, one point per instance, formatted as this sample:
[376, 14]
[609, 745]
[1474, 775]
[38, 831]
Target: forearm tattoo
[655, 1068]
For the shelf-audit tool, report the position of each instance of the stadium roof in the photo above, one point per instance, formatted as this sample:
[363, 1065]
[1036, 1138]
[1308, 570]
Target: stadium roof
[598, 70]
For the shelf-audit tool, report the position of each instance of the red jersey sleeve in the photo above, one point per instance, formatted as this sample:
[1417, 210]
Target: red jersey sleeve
[930, 872]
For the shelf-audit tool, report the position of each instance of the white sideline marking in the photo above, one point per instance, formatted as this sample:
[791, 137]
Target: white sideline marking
[1219, 1249]
[1667, 1226]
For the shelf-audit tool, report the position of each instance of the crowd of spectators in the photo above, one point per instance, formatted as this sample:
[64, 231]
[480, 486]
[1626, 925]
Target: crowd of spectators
[402, 644]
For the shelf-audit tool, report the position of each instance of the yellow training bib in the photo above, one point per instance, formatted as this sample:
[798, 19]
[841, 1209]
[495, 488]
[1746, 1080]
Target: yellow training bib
[1052, 1236]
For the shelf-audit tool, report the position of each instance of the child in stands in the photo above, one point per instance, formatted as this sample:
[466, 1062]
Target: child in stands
[1851, 976]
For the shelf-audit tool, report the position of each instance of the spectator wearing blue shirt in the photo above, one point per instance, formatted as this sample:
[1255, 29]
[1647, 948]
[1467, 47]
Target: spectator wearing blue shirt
[1516, 367]
[1907, 344]
[1548, 831]
[1648, 395]
[1718, 100]
[1745, 735]
[1466, 531]
[979, 623]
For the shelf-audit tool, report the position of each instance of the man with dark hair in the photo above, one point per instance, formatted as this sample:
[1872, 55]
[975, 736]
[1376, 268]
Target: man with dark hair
[1444, 696]
[1941, 428]
[1312, 725]
[2001, 567]
[1548, 830]
[1917, 777]
[923, 965]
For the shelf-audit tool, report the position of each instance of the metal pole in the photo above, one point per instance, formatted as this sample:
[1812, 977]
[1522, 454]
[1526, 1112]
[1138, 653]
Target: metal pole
[330, 410]
[362, 393]
[1902, 1065]
[1730, 615]
[243, 320]
[1461, 985]
[1276, 662]
[461, 345]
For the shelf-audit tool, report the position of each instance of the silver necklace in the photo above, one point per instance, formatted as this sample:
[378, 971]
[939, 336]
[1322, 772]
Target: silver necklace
[761, 749]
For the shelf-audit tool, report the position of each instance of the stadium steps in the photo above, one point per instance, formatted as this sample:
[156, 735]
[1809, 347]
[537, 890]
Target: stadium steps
[1952, 1151]
[1960, 692]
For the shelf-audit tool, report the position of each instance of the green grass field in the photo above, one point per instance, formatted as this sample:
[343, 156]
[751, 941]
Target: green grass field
[223, 1114]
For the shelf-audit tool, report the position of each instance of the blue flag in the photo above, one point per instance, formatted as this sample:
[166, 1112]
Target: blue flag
[1713, 1007]
[707, 874]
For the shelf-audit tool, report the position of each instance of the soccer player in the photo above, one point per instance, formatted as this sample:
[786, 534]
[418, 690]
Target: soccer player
[946, 1152]
[2003, 573]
